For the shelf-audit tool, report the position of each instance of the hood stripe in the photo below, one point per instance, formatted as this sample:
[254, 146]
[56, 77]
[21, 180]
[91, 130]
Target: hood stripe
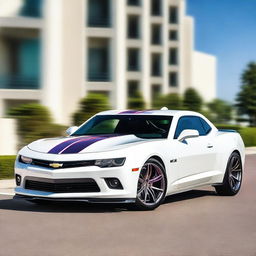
[78, 144]
[62, 145]
[75, 142]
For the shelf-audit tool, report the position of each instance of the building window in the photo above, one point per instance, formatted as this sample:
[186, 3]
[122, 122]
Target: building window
[173, 35]
[173, 56]
[156, 34]
[99, 13]
[173, 14]
[22, 70]
[133, 2]
[173, 79]
[156, 65]
[133, 59]
[98, 59]
[133, 88]
[155, 91]
[31, 8]
[133, 27]
[156, 7]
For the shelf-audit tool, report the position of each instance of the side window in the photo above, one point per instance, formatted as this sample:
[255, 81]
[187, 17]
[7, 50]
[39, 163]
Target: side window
[206, 126]
[189, 122]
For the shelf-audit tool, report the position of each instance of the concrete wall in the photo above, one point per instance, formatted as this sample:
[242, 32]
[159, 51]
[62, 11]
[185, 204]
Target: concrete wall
[204, 75]
[8, 137]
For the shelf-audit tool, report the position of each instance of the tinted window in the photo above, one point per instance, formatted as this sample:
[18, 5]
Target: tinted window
[189, 122]
[206, 126]
[143, 126]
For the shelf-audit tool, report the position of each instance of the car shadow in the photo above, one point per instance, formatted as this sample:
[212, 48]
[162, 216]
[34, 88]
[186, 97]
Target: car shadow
[196, 193]
[77, 207]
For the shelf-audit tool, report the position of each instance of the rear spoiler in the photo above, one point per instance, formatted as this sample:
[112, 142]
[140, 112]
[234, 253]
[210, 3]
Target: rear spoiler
[226, 130]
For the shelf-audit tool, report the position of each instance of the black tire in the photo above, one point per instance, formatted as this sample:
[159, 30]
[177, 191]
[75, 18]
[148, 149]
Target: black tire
[233, 177]
[155, 182]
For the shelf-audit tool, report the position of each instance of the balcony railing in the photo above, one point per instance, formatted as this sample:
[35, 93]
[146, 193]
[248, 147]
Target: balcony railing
[19, 82]
[99, 76]
[99, 22]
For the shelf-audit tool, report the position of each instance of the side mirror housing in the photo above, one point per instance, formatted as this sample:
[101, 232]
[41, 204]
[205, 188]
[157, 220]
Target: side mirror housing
[71, 130]
[188, 133]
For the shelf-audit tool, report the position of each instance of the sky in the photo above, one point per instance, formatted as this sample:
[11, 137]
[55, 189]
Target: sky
[226, 29]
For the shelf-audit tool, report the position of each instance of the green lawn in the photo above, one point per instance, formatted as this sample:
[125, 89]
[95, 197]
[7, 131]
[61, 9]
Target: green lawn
[7, 167]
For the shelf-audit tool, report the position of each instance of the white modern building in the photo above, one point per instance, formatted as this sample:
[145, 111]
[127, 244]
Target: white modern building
[56, 51]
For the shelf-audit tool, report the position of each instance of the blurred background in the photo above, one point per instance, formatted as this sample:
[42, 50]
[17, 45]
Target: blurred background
[62, 61]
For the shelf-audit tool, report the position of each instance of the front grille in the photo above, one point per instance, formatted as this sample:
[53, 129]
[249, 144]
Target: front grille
[65, 164]
[62, 185]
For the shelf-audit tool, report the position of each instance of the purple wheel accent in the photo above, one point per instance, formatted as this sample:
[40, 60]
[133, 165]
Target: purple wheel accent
[151, 185]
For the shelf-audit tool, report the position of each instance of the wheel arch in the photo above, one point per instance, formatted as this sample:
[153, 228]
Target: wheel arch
[158, 158]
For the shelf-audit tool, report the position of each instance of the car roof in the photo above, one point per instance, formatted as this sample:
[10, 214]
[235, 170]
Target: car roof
[150, 112]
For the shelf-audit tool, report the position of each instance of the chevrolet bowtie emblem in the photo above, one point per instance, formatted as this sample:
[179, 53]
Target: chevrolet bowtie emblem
[56, 165]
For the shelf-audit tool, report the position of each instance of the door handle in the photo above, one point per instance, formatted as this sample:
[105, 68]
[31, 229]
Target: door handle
[209, 145]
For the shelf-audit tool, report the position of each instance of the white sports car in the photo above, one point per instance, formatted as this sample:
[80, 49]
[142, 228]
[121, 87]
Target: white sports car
[137, 157]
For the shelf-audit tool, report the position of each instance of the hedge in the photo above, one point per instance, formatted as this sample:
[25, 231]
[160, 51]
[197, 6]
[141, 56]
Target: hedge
[229, 126]
[7, 167]
[249, 136]
[247, 133]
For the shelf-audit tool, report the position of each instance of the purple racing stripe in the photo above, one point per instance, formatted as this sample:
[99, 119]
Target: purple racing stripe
[80, 145]
[58, 148]
[84, 143]
[135, 112]
[129, 112]
[77, 144]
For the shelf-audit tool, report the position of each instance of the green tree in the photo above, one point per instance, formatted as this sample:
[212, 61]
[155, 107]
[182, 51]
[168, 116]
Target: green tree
[220, 111]
[192, 100]
[246, 98]
[34, 122]
[136, 101]
[171, 101]
[89, 106]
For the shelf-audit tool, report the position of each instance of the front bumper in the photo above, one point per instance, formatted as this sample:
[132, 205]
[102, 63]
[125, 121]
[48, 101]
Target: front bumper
[127, 178]
[86, 200]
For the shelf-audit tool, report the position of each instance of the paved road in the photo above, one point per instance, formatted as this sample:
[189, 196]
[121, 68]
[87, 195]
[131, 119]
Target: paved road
[192, 223]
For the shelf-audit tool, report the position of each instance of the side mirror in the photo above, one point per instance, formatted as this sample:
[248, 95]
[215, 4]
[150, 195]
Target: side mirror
[188, 133]
[71, 130]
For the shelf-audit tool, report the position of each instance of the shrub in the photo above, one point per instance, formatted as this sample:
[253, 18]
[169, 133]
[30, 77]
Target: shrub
[249, 136]
[221, 111]
[228, 126]
[89, 106]
[136, 101]
[192, 100]
[34, 122]
[172, 101]
[7, 167]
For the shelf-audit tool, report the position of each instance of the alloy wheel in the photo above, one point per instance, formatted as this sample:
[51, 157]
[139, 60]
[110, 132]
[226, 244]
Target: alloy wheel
[151, 184]
[235, 173]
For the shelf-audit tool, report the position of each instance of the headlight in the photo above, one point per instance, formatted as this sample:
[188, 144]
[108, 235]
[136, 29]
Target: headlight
[110, 162]
[25, 160]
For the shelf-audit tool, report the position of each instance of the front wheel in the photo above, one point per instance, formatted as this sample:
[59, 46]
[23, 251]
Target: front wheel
[233, 177]
[152, 185]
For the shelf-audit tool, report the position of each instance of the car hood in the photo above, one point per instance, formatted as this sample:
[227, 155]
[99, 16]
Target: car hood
[84, 144]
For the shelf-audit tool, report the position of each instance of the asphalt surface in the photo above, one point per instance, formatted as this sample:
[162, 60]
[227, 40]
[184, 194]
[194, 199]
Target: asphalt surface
[193, 223]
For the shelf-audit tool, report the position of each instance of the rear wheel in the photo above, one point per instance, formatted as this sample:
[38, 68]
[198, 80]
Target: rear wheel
[233, 177]
[152, 185]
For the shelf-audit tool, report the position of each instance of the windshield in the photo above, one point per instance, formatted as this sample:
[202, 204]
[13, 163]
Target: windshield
[143, 126]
